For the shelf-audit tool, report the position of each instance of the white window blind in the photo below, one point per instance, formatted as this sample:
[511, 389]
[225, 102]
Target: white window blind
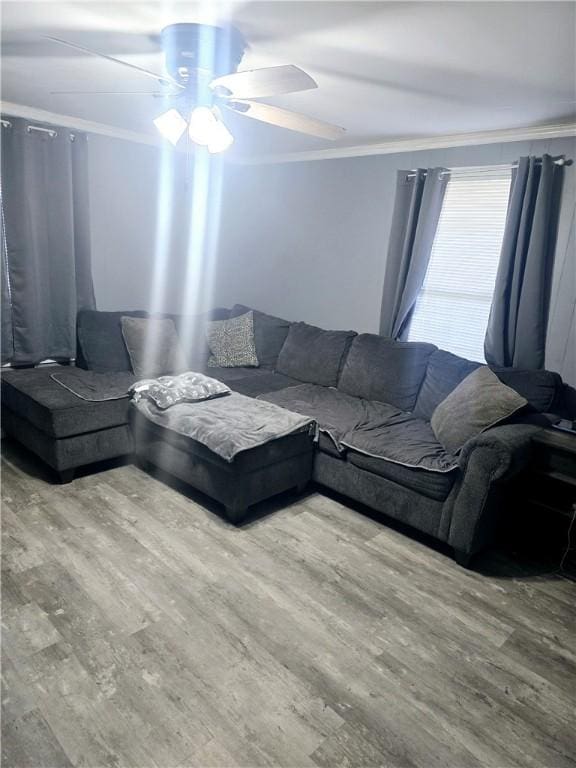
[454, 303]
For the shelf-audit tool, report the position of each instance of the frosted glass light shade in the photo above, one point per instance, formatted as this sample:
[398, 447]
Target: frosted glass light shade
[202, 125]
[220, 139]
[171, 125]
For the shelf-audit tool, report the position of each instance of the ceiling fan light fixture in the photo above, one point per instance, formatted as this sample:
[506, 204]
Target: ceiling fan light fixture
[221, 139]
[171, 125]
[202, 125]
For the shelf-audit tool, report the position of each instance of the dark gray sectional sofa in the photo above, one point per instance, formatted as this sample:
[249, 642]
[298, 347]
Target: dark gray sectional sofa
[372, 398]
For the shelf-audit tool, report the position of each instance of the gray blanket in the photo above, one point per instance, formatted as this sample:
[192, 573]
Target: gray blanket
[96, 387]
[366, 426]
[227, 425]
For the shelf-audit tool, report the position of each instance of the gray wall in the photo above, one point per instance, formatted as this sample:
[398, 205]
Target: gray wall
[126, 193]
[123, 188]
[308, 240]
[146, 253]
[302, 240]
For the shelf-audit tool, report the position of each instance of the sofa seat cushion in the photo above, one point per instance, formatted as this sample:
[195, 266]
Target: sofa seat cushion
[327, 445]
[385, 370]
[339, 416]
[434, 485]
[33, 395]
[251, 381]
[399, 438]
[335, 413]
[404, 450]
[231, 375]
[255, 386]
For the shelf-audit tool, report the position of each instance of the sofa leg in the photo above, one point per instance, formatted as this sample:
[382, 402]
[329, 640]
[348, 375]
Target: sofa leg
[144, 465]
[235, 513]
[65, 476]
[462, 558]
[301, 487]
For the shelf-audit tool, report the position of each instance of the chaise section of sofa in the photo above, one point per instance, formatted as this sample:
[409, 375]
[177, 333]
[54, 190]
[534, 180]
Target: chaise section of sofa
[64, 430]
[68, 432]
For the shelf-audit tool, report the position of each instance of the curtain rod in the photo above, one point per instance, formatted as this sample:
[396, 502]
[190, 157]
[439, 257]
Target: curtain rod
[472, 169]
[52, 132]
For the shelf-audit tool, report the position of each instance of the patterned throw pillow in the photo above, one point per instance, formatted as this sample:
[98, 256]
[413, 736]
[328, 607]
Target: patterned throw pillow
[188, 387]
[232, 342]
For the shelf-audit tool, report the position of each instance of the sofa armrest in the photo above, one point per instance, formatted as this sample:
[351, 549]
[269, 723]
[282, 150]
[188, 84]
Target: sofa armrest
[485, 461]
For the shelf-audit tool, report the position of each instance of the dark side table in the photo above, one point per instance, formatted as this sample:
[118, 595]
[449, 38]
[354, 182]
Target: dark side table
[552, 474]
[542, 499]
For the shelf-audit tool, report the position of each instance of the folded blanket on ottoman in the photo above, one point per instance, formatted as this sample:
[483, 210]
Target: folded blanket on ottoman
[226, 425]
[92, 386]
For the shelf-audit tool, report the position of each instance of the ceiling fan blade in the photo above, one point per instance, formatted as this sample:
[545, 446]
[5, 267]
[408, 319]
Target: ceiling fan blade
[110, 93]
[285, 118]
[269, 81]
[161, 78]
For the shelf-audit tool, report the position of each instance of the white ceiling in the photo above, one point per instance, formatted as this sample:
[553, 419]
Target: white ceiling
[385, 70]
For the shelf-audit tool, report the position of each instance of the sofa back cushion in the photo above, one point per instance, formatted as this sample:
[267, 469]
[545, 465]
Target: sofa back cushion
[445, 371]
[101, 346]
[385, 370]
[269, 334]
[191, 330]
[542, 389]
[313, 355]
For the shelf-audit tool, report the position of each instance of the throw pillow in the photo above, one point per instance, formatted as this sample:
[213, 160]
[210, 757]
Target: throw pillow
[153, 347]
[189, 387]
[269, 334]
[480, 401]
[232, 343]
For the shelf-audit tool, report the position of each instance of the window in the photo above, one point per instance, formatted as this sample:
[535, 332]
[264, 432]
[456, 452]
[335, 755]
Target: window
[454, 303]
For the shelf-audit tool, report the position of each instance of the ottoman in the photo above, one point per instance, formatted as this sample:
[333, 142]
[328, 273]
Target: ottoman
[253, 475]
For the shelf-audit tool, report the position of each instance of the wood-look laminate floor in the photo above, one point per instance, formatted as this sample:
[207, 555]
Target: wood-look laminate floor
[139, 629]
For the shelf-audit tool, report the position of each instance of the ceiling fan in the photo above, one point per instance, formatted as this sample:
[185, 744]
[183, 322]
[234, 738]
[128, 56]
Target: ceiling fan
[202, 79]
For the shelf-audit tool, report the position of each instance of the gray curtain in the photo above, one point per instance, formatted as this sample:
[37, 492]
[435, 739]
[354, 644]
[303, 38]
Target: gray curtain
[46, 271]
[516, 332]
[7, 340]
[417, 206]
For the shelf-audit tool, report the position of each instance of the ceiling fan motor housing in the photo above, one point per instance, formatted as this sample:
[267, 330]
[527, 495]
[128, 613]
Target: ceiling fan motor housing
[193, 48]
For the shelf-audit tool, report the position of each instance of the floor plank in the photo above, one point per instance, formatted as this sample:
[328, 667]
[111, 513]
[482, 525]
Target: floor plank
[141, 630]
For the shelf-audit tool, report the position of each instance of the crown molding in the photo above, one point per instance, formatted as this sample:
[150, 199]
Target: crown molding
[11, 109]
[552, 131]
